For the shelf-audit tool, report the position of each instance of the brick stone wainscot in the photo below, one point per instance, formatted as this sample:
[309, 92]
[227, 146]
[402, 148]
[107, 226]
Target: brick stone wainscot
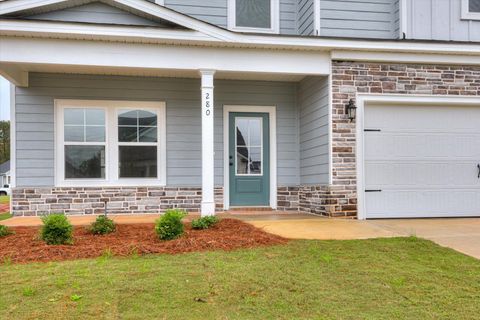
[121, 200]
[350, 78]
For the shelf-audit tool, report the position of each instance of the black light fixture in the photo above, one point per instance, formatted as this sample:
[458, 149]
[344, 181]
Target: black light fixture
[351, 110]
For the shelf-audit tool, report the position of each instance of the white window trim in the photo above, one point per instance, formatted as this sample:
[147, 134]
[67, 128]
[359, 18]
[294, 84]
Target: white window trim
[466, 14]
[274, 18]
[272, 112]
[111, 143]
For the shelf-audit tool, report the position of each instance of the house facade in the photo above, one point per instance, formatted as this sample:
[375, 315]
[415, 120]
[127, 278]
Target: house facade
[367, 109]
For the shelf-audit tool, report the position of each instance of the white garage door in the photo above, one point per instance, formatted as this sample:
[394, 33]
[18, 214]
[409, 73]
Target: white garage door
[422, 161]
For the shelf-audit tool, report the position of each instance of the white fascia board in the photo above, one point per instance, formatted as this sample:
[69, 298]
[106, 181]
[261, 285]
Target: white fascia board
[405, 57]
[140, 5]
[152, 35]
[7, 7]
[18, 50]
[15, 75]
[107, 33]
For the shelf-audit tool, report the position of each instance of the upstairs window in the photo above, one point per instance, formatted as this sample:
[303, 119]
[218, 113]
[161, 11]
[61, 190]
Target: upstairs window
[253, 15]
[471, 9]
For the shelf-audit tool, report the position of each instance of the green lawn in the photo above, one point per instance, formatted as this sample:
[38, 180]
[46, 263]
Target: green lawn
[5, 216]
[401, 278]
[4, 199]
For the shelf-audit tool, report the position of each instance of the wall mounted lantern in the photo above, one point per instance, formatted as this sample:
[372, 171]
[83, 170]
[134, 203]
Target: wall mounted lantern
[351, 110]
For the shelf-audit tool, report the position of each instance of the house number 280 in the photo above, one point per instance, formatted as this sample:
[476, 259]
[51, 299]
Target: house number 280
[207, 104]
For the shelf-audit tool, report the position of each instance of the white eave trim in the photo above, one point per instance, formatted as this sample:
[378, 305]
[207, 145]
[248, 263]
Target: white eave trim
[76, 31]
[66, 30]
[140, 5]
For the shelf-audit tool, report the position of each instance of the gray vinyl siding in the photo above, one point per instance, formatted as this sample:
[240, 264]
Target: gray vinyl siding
[211, 11]
[95, 12]
[35, 121]
[440, 20]
[313, 107]
[359, 18]
[216, 12]
[305, 14]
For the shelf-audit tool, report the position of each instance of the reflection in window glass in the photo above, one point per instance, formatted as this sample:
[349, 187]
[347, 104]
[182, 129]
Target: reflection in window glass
[249, 145]
[253, 13]
[84, 162]
[137, 126]
[474, 6]
[138, 161]
[84, 125]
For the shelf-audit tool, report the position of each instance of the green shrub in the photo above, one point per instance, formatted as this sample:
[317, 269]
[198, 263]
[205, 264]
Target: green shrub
[5, 231]
[56, 229]
[103, 225]
[204, 222]
[169, 226]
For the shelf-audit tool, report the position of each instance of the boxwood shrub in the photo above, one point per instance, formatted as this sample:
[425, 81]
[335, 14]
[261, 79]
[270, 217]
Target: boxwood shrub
[5, 231]
[204, 222]
[169, 226]
[102, 225]
[56, 229]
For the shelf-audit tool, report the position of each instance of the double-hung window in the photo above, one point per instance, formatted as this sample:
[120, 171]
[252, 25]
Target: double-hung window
[471, 9]
[254, 15]
[110, 143]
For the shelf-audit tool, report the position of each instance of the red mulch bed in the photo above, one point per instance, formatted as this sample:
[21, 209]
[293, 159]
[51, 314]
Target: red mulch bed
[229, 234]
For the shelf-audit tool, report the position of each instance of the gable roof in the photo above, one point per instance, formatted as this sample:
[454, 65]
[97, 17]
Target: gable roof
[21, 8]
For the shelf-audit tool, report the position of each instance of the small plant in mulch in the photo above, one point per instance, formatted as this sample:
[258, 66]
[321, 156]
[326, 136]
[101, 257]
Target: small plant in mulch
[204, 222]
[56, 230]
[169, 226]
[102, 225]
[5, 231]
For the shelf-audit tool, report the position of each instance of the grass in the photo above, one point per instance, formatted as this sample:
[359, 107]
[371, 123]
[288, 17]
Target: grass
[4, 199]
[400, 278]
[5, 216]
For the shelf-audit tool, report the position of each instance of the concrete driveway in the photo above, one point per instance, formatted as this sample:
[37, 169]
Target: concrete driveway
[462, 235]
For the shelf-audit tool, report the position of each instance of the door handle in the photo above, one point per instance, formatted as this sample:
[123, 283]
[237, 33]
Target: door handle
[478, 166]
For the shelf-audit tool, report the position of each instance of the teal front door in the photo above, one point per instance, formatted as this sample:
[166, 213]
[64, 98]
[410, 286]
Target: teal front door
[249, 159]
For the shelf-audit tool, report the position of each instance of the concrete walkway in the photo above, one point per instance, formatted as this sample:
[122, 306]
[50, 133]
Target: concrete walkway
[462, 235]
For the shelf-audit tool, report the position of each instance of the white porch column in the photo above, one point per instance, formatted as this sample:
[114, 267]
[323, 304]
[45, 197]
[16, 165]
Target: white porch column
[208, 195]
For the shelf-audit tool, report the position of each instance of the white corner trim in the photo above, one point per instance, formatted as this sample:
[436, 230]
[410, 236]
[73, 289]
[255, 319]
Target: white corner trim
[13, 137]
[272, 111]
[316, 17]
[111, 161]
[395, 99]
[466, 14]
[274, 18]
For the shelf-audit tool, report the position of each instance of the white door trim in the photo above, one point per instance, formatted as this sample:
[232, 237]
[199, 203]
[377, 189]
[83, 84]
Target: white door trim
[371, 99]
[272, 111]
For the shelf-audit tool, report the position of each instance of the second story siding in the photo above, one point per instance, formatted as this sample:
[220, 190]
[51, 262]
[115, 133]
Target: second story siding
[439, 20]
[216, 12]
[360, 18]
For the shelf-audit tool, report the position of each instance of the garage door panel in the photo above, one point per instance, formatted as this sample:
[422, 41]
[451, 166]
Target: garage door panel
[425, 119]
[418, 174]
[424, 160]
[420, 146]
[422, 204]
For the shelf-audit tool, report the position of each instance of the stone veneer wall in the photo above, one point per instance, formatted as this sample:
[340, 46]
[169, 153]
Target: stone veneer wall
[124, 200]
[121, 200]
[350, 78]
